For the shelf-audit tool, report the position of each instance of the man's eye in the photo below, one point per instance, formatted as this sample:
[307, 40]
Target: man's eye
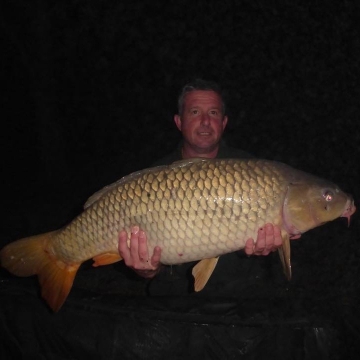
[195, 112]
[213, 112]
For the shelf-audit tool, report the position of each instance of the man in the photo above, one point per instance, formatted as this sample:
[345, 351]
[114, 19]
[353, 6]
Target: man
[202, 121]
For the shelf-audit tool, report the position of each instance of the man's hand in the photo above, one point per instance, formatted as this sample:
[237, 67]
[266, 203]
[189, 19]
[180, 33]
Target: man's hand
[136, 255]
[268, 240]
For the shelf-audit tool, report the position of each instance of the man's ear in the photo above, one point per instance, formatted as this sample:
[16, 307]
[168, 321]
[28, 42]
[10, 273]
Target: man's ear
[224, 123]
[177, 120]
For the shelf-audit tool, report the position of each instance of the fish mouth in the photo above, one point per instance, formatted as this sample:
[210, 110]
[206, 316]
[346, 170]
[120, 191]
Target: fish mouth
[350, 208]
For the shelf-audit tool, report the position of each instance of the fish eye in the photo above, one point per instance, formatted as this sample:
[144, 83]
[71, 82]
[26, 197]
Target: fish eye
[328, 195]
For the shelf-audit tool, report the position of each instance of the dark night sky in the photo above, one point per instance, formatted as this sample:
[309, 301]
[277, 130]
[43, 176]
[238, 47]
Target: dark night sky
[89, 89]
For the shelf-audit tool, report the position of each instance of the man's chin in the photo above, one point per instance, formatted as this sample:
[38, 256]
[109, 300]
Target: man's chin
[205, 142]
[205, 147]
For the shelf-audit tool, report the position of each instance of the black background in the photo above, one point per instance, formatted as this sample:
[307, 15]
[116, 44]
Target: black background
[89, 89]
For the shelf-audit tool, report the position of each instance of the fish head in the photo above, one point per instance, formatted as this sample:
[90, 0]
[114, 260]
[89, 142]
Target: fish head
[314, 202]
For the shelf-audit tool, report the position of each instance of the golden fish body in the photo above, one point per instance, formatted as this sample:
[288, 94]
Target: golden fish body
[192, 210]
[195, 209]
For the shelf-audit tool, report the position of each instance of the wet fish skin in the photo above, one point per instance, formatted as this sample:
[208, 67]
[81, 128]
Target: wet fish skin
[197, 209]
[193, 210]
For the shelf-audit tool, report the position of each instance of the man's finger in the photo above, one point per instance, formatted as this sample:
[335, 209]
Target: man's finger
[269, 238]
[249, 247]
[260, 244]
[155, 259]
[142, 243]
[122, 245]
[134, 243]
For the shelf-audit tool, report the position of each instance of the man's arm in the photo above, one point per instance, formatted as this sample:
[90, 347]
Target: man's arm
[136, 255]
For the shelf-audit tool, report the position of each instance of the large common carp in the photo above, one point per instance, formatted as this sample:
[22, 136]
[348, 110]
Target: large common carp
[193, 210]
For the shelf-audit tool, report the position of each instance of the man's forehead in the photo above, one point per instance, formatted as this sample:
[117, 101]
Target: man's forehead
[198, 97]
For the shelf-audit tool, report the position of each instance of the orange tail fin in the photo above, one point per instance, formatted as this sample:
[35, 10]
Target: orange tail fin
[29, 256]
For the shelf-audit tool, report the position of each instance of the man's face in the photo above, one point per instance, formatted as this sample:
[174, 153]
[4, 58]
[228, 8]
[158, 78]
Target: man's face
[202, 122]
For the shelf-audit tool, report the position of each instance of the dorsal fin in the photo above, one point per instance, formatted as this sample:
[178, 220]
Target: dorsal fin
[185, 162]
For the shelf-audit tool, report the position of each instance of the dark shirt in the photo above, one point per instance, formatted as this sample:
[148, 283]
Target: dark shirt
[225, 152]
[234, 273]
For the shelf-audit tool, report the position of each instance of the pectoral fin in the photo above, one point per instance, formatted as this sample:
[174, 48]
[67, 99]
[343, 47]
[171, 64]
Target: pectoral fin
[106, 259]
[284, 253]
[202, 272]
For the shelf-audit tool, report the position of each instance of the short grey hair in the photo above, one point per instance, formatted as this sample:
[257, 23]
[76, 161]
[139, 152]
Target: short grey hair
[199, 84]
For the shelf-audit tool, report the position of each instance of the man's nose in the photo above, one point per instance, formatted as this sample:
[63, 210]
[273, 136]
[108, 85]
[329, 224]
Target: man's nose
[205, 119]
